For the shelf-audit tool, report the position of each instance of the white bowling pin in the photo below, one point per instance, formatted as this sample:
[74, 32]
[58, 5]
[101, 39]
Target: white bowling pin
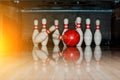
[65, 28]
[56, 53]
[56, 41]
[88, 54]
[97, 53]
[97, 34]
[43, 35]
[78, 29]
[35, 32]
[88, 33]
[44, 21]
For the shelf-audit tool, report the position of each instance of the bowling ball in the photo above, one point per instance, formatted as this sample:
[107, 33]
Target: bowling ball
[71, 37]
[71, 54]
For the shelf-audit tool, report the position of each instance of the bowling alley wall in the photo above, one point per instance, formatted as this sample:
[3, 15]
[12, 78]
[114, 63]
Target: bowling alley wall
[105, 22]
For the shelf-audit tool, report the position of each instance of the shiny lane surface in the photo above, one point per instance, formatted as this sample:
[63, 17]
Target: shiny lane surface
[54, 63]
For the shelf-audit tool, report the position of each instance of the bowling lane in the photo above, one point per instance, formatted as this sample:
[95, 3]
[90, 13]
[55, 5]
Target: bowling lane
[58, 63]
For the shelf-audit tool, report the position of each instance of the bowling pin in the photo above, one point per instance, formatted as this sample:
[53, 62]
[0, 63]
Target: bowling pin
[44, 21]
[97, 53]
[65, 28]
[78, 29]
[35, 32]
[97, 34]
[88, 33]
[56, 41]
[43, 35]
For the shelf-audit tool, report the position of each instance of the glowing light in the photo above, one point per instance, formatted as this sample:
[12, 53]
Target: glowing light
[1, 45]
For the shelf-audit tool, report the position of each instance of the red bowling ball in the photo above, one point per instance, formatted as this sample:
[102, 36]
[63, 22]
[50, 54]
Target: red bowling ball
[71, 54]
[71, 37]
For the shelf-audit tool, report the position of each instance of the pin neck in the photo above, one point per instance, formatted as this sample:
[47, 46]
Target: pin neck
[87, 26]
[78, 25]
[56, 27]
[97, 27]
[43, 29]
[48, 31]
[44, 26]
[66, 26]
[36, 27]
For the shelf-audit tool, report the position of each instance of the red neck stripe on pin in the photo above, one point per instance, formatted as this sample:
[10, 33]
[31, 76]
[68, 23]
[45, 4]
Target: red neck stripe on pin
[65, 26]
[35, 27]
[87, 24]
[43, 25]
[78, 25]
[48, 31]
[56, 26]
[97, 27]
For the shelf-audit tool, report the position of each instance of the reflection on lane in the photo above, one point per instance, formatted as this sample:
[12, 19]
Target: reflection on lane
[68, 54]
[71, 63]
[41, 54]
[97, 53]
[56, 53]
